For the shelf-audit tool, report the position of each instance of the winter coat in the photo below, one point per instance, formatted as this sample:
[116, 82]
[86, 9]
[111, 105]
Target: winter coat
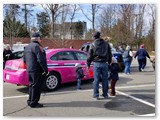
[142, 54]
[7, 55]
[35, 57]
[79, 73]
[99, 52]
[114, 68]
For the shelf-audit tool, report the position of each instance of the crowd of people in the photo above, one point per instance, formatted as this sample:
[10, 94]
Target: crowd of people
[105, 66]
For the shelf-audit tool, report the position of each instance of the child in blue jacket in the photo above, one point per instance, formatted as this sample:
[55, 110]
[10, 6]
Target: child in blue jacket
[114, 68]
[79, 75]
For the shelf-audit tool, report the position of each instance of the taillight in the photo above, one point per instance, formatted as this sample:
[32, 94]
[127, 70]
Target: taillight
[22, 65]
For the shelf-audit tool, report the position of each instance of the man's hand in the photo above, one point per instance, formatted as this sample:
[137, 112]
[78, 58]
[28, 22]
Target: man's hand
[87, 68]
[45, 73]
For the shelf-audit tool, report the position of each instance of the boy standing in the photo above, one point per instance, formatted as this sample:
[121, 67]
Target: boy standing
[79, 75]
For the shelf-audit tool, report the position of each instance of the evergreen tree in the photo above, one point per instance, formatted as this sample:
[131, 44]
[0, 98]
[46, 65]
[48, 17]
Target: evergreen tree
[43, 23]
[78, 30]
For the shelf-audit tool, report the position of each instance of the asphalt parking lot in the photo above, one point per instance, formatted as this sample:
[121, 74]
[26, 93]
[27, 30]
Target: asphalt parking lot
[135, 97]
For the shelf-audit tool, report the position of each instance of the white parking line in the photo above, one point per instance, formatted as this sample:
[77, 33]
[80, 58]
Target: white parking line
[12, 97]
[135, 86]
[137, 99]
[152, 114]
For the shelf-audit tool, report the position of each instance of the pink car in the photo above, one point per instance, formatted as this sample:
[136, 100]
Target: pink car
[61, 65]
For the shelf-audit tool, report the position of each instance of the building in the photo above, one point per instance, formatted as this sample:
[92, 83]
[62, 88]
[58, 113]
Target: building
[68, 30]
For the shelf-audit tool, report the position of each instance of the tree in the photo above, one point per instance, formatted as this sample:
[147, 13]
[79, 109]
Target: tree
[93, 11]
[107, 19]
[73, 10]
[10, 11]
[79, 30]
[150, 39]
[43, 23]
[53, 10]
[18, 29]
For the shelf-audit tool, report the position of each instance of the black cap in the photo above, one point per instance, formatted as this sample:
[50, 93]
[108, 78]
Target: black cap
[97, 35]
[36, 35]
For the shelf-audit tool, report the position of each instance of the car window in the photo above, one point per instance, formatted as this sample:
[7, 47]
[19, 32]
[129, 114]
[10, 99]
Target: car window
[81, 56]
[86, 47]
[63, 56]
[20, 54]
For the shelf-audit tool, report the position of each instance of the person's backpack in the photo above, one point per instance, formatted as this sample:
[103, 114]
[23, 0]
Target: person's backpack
[126, 56]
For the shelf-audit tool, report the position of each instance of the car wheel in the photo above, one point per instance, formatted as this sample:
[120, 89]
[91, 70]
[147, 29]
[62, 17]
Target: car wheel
[52, 81]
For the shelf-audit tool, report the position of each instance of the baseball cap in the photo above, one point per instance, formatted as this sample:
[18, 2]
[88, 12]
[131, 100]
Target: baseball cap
[36, 35]
[97, 35]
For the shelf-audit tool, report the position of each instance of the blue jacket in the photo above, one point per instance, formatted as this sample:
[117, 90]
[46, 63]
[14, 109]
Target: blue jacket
[142, 54]
[114, 68]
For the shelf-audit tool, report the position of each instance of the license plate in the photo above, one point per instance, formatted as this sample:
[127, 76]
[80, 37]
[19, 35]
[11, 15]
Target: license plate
[7, 77]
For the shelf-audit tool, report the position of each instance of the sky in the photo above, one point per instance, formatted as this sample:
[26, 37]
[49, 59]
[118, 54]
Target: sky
[81, 2]
[79, 16]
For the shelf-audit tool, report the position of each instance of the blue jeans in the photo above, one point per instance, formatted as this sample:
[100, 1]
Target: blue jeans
[100, 70]
[127, 66]
[78, 83]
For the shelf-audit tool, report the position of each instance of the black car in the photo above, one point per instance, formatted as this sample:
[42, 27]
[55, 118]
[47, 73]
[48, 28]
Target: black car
[18, 54]
[118, 55]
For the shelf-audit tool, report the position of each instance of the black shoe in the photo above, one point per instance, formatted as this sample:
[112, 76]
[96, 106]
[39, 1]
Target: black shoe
[38, 105]
[105, 97]
[28, 102]
[79, 88]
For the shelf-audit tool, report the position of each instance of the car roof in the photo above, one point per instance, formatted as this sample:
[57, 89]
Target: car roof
[62, 49]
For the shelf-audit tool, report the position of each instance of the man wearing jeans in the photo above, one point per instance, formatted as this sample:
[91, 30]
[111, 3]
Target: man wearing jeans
[100, 54]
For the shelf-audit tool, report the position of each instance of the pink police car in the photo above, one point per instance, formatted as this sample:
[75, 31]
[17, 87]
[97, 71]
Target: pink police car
[61, 65]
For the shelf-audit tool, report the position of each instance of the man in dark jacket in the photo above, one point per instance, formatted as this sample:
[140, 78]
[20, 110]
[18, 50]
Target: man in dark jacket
[100, 54]
[35, 59]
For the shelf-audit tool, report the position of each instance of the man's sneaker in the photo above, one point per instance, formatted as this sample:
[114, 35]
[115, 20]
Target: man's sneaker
[95, 98]
[111, 95]
[105, 97]
[142, 70]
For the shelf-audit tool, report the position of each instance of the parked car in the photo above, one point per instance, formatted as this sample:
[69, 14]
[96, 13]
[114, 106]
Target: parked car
[118, 55]
[61, 65]
[18, 54]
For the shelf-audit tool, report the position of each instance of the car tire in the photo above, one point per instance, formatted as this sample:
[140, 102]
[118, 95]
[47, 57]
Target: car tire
[52, 81]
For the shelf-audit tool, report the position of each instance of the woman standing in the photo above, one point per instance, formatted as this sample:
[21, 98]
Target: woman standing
[127, 58]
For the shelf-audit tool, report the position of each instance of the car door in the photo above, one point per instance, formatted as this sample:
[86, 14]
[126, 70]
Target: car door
[64, 62]
[82, 59]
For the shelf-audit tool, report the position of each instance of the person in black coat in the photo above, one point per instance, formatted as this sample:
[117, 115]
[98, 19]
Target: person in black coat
[35, 59]
[142, 54]
[7, 55]
[114, 68]
[79, 75]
